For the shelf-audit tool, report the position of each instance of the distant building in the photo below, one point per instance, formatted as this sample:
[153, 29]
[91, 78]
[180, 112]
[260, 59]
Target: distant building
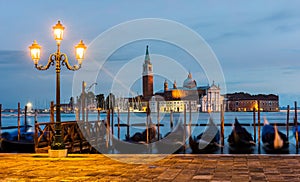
[202, 98]
[174, 98]
[211, 101]
[67, 107]
[245, 102]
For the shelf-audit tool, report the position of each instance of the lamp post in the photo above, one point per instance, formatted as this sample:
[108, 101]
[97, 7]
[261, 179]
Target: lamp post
[58, 59]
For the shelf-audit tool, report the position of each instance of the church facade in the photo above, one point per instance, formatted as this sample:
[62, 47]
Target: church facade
[174, 98]
[189, 95]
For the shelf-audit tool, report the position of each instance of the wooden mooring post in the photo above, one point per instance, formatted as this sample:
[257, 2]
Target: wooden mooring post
[254, 124]
[35, 115]
[19, 129]
[222, 125]
[83, 100]
[0, 120]
[87, 115]
[108, 128]
[158, 122]
[190, 112]
[25, 118]
[77, 117]
[190, 121]
[171, 119]
[184, 127]
[118, 123]
[128, 120]
[258, 123]
[296, 125]
[147, 122]
[52, 112]
[112, 121]
[287, 121]
[98, 115]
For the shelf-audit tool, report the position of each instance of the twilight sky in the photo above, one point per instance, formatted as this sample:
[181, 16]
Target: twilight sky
[256, 42]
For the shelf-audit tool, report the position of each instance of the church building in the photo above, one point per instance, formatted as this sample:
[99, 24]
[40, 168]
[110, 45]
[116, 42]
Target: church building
[174, 98]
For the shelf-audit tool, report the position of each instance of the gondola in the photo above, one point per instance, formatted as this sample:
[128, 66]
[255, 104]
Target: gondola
[297, 131]
[137, 143]
[206, 142]
[240, 140]
[172, 142]
[273, 140]
[25, 144]
[15, 146]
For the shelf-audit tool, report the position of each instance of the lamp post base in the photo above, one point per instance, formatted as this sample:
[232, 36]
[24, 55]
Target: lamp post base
[58, 143]
[61, 153]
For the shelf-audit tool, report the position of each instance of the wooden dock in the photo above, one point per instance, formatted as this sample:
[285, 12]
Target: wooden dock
[78, 137]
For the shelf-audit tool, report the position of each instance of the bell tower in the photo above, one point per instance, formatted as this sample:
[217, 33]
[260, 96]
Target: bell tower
[147, 77]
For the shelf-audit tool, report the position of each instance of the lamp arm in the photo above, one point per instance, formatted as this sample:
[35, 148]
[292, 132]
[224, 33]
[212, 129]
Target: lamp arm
[65, 62]
[50, 62]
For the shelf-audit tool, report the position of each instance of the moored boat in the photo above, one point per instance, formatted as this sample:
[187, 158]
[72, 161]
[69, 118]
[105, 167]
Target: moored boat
[206, 142]
[15, 146]
[24, 144]
[273, 140]
[240, 140]
[172, 142]
[296, 132]
[137, 143]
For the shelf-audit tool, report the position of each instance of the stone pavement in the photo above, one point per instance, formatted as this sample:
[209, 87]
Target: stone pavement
[176, 167]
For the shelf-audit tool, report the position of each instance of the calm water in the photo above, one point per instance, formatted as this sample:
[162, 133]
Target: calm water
[10, 119]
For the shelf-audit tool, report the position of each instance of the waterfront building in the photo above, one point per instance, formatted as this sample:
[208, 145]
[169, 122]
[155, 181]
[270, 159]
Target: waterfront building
[175, 98]
[195, 98]
[67, 107]
[246, 102]
[202, 98]
[211, 101]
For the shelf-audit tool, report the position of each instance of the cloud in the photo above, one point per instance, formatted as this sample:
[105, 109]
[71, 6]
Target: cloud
[238, 34]
[280, 15]
[287, 28]
[12, 57]
[289, 70]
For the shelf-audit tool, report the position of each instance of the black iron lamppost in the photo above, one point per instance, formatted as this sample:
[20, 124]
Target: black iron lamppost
[58, 59]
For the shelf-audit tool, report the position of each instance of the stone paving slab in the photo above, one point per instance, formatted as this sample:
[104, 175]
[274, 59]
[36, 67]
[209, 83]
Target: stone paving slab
[153, 167]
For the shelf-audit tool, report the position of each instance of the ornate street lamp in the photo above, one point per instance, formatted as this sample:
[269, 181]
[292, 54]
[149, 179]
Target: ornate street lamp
[58, 59]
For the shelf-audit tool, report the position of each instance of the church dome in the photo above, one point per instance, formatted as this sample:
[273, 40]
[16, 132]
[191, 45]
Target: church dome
[189, 82]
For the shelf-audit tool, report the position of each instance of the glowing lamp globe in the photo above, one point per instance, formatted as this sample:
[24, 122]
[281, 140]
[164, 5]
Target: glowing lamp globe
[58, 32]
[35, 52]
[80, 50]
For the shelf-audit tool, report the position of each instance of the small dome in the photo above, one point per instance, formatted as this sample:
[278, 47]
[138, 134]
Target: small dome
[189, 82]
